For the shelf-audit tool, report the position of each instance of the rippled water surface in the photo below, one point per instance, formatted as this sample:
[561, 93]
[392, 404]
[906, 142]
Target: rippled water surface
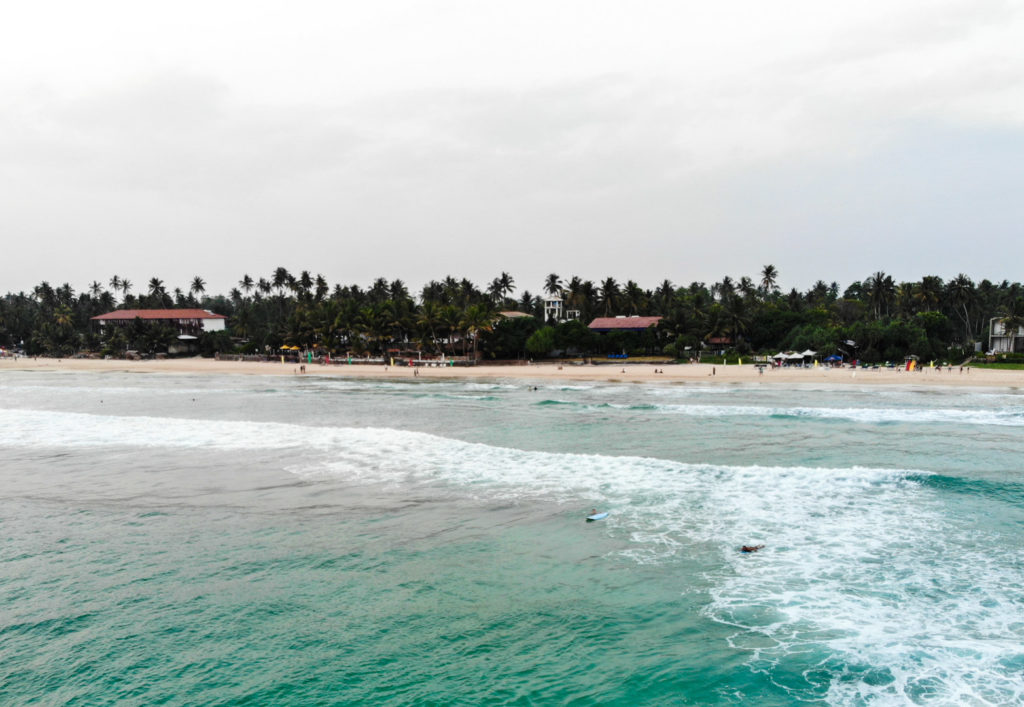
[305, 540]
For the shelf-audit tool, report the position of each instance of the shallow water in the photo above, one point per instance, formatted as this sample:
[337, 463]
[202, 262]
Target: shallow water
[296, 540]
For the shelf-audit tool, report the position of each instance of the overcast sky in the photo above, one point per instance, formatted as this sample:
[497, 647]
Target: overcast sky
[412, 140]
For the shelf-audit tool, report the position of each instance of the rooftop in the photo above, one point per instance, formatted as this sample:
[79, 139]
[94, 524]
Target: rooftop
[623, 323]
[158, 314]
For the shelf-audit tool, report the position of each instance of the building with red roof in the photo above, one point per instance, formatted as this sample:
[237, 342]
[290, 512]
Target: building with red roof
[188, 322]
[637, 324]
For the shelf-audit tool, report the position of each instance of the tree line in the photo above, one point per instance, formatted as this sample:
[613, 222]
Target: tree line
[873, 319]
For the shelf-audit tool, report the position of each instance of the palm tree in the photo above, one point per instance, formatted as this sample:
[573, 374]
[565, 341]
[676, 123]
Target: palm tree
[96, 289]
[1013, 321]
[280, 279]
[553, 285]
[735, 317]
[525, 303]
[769, 278]
[156, 287]
[380, 291]
[398, 290]
[609, 296]
[817, 295]
[881, 291]
[508, 284]
[725, 289]
[928, 292]
[198, 286]
[962, 296]
[467, 292]
[905, 299]
[429, 318]
[115, 283]
[494, 290]
[633, 297]
[575, 294]
[476, 319]
[322, 288]
[663, 296]
[246, 284]
[451, 318]
[63, 316]
[305, 284]
[746, 287]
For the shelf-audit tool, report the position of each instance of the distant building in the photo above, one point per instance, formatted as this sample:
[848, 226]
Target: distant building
[635, 324]
[554, 310]
[188, 322]
[1003, 341]
[512, 314]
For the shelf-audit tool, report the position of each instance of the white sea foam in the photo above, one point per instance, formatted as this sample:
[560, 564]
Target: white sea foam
[866, 567]
[33, 391]
[1010, 416]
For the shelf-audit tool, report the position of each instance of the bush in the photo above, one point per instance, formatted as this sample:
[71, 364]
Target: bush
[541, 342]
[212, 342]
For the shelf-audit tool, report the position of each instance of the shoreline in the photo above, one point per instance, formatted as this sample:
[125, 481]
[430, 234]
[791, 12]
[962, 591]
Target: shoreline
[704, 373]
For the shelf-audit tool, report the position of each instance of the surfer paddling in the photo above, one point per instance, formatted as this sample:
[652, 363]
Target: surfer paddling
[751, 548]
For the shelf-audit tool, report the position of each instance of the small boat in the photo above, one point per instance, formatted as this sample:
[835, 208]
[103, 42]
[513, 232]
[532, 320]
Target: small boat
[597, 516]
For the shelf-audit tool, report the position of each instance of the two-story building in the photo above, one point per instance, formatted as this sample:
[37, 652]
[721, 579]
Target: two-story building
[1002, 341]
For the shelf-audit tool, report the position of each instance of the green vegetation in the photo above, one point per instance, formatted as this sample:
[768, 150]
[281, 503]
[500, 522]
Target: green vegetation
[932, 319]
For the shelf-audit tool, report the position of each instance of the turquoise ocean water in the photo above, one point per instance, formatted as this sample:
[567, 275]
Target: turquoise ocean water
[303, 540]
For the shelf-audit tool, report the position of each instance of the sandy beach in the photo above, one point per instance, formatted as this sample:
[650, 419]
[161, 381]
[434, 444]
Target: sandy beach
[621, 373]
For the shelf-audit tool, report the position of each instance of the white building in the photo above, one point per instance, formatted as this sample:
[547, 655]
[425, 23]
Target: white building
[554, 310]
[1002, 341]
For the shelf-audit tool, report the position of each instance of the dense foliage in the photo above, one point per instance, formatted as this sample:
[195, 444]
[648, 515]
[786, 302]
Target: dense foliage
[886, 320]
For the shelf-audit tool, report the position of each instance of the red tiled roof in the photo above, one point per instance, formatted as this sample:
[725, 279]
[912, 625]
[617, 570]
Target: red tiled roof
[159, 314]
[619, 323]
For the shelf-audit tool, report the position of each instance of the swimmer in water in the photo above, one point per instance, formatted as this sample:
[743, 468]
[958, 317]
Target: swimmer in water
[751, 548]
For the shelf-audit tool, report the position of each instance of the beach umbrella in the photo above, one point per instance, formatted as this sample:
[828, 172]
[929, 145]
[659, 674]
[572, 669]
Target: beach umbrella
[779, 355]
[808, 352]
